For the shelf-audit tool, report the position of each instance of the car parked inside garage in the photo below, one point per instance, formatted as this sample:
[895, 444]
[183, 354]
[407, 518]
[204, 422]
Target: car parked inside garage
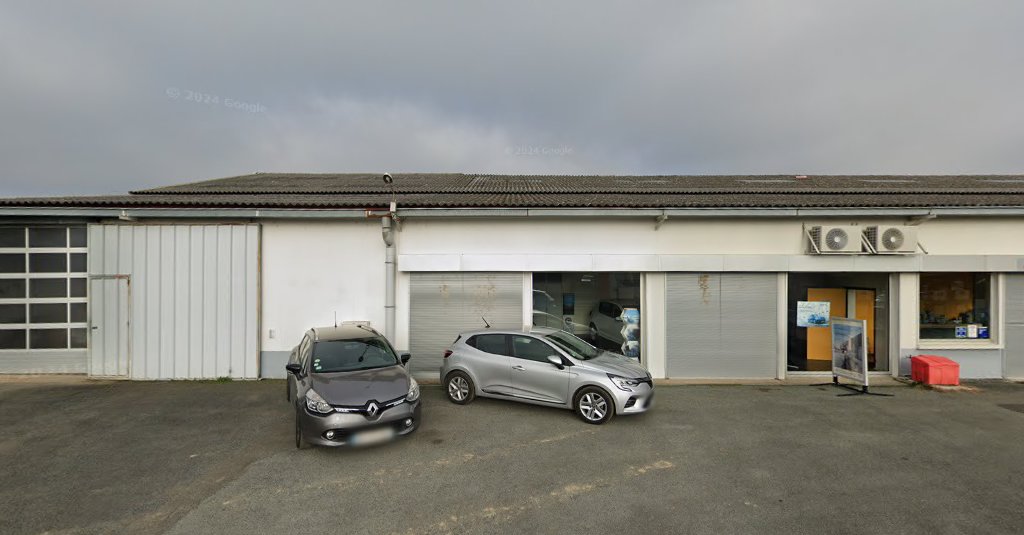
[349, 387]
[545, 367]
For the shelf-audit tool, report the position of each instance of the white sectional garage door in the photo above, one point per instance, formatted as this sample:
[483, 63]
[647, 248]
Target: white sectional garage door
[721, 325]
[174, 301]
[444, 304]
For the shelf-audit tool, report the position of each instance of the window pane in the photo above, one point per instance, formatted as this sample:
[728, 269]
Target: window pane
[77, 287]
[528, 348]
[48, 339]
[955, 305]
[78, 239]
[491, 343]
[79, 313]
[12, 236]
[78, 264]
[48, 237]
[12, 288]
[78, 338]
[14, 313]
[48, 313]
[47, 262]
[12, 339]
[12, 263]
[47, 288]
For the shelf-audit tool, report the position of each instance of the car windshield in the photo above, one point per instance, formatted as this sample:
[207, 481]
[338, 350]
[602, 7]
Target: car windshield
[573, 345]
[351, 355]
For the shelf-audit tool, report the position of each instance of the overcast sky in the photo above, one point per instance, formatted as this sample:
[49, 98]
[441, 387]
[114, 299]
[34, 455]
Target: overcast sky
[106, 97]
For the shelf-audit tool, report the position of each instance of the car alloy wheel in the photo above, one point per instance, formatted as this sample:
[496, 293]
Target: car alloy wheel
[460, 388]
[594, 406]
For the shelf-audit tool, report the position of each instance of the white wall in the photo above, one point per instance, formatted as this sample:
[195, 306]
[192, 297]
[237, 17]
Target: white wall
[312, 270]
[614, 244]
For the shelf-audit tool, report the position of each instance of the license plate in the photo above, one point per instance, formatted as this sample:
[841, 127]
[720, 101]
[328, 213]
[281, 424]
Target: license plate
[373, 436]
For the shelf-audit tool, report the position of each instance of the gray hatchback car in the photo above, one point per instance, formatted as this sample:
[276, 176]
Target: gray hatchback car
[545, 367]
[350, 388]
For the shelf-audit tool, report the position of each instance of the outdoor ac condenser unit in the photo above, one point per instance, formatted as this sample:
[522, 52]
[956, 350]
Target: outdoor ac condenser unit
[845, 239]
[891, 239]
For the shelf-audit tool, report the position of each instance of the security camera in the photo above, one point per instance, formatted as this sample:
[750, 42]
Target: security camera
[387, 178]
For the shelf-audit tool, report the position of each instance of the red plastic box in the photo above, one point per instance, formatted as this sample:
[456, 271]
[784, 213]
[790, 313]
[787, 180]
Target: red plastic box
[934, 370]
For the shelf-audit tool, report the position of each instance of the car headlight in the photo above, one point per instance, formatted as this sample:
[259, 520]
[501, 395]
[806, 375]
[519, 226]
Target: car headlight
[623, 383]
[414, 391]
[316, 404]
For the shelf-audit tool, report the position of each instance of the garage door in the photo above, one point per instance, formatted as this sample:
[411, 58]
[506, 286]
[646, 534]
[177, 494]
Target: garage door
[721, 325]
[441, 305]
[1014, 326]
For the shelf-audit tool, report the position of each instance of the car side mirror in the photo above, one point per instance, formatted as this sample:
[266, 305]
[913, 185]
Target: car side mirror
[294, 368]
[404, 357]
[556, 361]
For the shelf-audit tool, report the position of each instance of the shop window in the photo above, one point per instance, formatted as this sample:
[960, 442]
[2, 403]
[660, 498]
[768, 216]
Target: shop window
[955, 306]
[602, 308]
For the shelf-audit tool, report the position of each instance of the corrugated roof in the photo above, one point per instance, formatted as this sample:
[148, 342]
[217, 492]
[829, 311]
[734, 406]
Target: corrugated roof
[286, 190]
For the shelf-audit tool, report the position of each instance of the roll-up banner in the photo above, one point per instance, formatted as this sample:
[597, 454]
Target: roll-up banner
[850, 349]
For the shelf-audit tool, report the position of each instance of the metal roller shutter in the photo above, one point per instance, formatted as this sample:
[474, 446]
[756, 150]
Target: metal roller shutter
[444, 304]
[1014, 340]
[721, 325]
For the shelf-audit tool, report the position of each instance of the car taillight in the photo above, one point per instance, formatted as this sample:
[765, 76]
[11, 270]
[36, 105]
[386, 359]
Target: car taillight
[447, 353]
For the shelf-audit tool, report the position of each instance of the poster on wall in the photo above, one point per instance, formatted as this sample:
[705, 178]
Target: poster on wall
[850, 349]
[631, 332]
[812, 313]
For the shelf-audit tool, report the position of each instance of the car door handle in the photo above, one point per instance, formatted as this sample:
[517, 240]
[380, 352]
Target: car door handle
[520, 368]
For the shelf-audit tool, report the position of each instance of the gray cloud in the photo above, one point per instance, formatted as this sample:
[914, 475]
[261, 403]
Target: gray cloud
[88, 102]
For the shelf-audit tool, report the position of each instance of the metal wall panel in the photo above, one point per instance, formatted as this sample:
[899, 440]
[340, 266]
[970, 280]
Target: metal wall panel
[1014, 336]
[721, 325]
[441, 305]
[194, 297]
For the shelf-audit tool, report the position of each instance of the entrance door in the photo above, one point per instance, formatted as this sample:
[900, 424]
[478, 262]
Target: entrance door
[844, 303]
[109, 322]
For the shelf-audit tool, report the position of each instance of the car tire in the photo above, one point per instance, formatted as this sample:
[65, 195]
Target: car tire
[459, 388]
[593, 405]
[299, 443]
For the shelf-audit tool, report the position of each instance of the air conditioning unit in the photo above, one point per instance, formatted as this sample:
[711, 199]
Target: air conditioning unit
[891, 239]
[845, 239]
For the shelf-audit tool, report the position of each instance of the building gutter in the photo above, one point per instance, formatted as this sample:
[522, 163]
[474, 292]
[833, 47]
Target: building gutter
[359, 213]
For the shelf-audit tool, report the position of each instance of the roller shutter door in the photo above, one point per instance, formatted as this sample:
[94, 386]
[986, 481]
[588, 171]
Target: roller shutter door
[1014, 367]
[444, 304]
[721, 325]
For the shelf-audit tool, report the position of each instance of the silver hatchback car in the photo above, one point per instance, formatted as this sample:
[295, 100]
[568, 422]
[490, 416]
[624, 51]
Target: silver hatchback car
[545, 367]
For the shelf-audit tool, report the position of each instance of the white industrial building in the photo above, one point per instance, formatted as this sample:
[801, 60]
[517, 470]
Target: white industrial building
[221, 278]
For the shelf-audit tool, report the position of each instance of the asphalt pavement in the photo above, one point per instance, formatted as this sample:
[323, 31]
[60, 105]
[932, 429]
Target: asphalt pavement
[209, 457]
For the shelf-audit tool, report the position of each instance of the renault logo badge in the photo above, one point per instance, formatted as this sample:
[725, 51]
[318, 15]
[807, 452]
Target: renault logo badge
[371, 410]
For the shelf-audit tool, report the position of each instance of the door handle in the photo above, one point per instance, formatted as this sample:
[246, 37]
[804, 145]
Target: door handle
[520, 368]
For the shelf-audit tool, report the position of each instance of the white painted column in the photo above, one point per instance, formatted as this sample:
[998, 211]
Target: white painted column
[908, 318]
[654, 324]
[782, 319]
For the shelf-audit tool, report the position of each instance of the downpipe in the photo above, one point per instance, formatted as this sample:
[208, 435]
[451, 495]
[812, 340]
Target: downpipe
[388, 233]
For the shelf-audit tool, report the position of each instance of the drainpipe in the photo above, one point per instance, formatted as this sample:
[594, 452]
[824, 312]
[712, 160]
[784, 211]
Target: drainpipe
[388, 233]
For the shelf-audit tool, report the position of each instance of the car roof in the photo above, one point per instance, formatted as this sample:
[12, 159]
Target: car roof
[343, 332]
[511, 330]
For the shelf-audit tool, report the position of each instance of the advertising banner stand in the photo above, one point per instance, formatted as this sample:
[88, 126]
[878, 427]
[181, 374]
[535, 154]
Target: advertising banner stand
[850, 356]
